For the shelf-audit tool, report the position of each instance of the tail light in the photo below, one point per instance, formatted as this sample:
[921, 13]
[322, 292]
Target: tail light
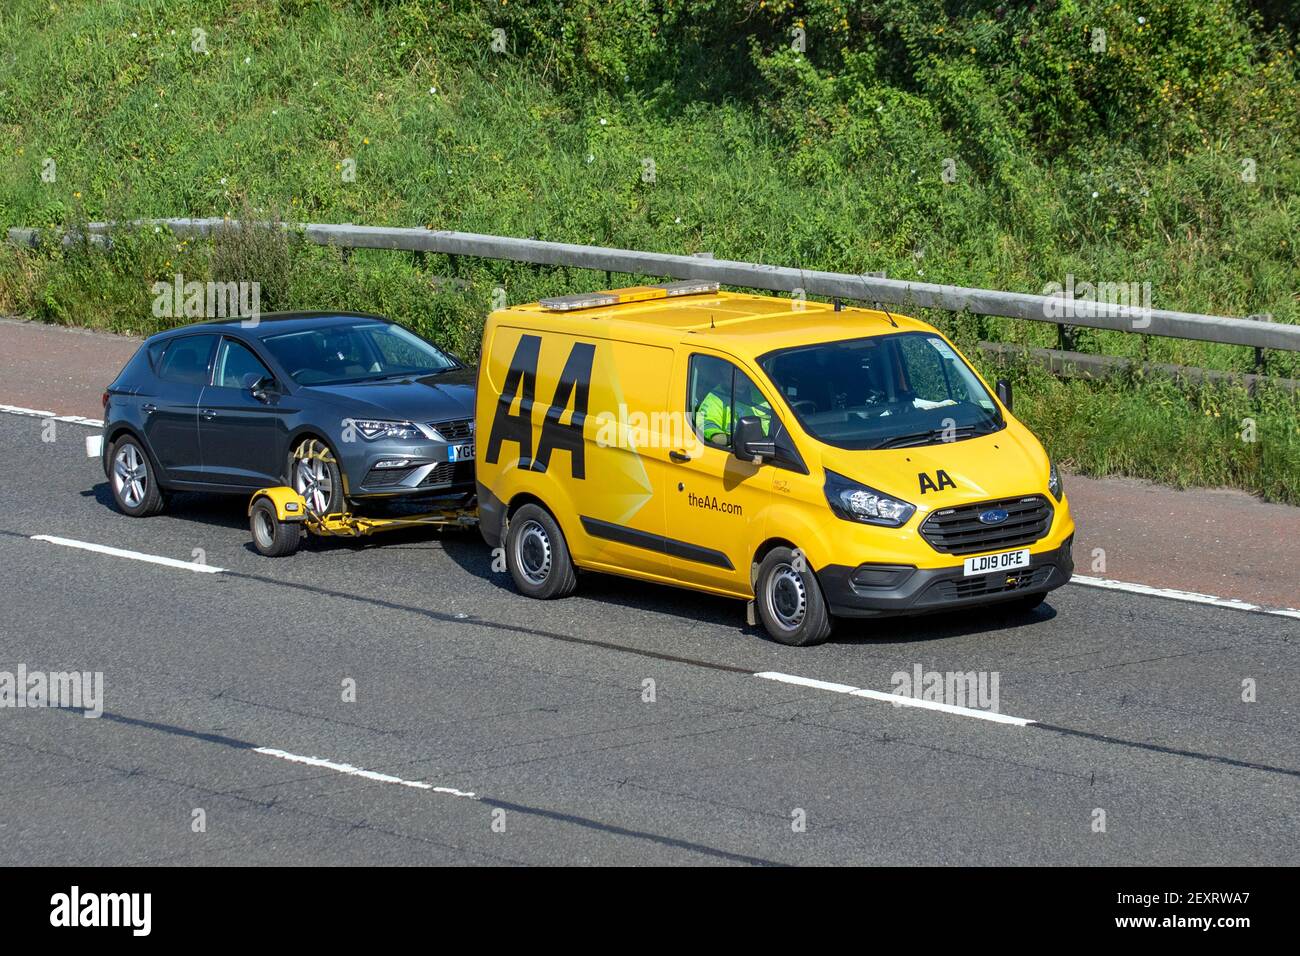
[104, 401]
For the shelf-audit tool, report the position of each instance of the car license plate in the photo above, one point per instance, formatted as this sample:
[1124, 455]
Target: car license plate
[988, 563]
[463, 452]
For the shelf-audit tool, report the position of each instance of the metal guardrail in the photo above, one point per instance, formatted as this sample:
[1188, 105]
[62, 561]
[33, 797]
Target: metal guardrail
[871, 288]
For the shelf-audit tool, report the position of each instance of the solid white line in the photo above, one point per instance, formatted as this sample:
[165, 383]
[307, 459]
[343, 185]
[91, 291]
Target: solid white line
[897, 700]
[133, 555]
[359, 772]
[1191, 596]
[37, 413]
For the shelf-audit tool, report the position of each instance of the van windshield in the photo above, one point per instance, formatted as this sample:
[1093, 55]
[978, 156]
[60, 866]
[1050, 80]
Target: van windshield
[888, 391]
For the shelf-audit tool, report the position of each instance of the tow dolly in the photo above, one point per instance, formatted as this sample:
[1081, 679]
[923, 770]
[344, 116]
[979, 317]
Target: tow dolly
[278, 516]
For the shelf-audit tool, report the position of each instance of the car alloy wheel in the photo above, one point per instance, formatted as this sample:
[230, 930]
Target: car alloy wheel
[312, 480]
[130, 475]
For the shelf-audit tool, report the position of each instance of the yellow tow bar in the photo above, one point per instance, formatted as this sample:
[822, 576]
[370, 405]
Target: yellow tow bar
[277, 517]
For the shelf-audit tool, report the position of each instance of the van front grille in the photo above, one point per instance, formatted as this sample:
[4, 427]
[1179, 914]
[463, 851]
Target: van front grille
[960, 531]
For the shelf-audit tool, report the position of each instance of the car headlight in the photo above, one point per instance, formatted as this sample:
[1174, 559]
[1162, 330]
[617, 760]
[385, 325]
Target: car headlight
[372, 429]
[1054, 481]
[856, 502]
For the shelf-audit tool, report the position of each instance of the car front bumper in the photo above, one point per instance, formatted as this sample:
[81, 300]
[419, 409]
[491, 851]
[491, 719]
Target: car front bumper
[905, 590]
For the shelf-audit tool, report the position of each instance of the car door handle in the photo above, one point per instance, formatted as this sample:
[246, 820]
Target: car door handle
[679, 457]
[149, 408]
[208, 413]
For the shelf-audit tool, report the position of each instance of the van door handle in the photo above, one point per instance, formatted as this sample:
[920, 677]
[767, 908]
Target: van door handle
[209, 414]
[149, 408]
[679, 457]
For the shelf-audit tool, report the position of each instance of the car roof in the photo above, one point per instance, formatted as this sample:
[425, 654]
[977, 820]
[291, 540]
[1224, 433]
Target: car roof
[746, 324]
[271, 323]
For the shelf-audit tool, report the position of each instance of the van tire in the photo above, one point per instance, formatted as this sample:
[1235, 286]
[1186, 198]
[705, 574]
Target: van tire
[538, 556]
[790, 601]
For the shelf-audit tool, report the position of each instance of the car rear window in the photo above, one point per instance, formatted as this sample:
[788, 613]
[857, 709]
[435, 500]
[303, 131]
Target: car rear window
[186, 360]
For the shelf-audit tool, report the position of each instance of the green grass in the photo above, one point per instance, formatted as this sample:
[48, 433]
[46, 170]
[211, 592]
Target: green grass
[830, 160]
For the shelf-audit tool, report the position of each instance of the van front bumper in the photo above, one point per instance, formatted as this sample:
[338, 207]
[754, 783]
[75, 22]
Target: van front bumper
[876, 590]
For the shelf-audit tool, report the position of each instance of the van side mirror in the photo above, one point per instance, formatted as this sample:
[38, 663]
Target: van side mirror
[1003, 389]
[749, 442]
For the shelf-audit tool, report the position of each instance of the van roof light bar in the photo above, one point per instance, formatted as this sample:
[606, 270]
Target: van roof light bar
[636, 293]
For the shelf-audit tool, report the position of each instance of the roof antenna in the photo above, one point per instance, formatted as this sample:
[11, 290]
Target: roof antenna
[839, 306]
[889, 317]
[711, 325]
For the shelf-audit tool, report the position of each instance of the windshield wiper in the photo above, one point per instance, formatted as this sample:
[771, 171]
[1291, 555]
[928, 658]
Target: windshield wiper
[928, 437]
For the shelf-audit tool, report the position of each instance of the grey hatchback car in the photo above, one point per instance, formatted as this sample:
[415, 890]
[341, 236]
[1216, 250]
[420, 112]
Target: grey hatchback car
[346, 408]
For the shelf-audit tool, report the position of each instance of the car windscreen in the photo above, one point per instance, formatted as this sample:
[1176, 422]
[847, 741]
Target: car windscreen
[888, 391]
[355, 352]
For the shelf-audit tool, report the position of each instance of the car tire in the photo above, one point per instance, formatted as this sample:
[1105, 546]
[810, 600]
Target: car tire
[314, 473]
[132, 478]
[271, 536]
[790, 601]
[538, 556]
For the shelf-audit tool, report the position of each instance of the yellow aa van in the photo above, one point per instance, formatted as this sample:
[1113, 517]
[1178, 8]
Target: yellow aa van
[817, 461]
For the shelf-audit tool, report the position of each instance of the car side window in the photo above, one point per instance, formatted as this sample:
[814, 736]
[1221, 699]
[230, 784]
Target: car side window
[718, 396]
[235, 361]
[186, 360]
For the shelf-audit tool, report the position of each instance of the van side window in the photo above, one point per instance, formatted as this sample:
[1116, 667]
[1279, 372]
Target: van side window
[186, 360]
[234, 363]
[718, 396]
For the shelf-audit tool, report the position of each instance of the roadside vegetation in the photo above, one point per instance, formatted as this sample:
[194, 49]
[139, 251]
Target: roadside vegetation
[978, 144]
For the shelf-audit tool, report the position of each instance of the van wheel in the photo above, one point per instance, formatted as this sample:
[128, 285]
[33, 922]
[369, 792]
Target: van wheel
[790, 601]
[537, 555]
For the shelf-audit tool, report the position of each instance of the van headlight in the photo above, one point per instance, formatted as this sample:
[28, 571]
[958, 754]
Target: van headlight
[372, 429]
[856, 502]
[1054, 480]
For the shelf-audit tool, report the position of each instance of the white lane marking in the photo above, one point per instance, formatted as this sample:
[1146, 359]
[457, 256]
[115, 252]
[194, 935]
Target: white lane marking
[133, 555]
[1191, 596]
[359, 772]
[37, 413]
[94, 446]
[896, 699]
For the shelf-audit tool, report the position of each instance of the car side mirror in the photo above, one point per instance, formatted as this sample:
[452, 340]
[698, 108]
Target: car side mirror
[1003, 389]
[750, 443]
[258, 385]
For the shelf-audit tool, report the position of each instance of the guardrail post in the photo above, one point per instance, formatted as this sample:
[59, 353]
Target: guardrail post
[1065, 337]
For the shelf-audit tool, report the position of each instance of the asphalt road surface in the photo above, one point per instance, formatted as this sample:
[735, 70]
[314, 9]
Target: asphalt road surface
[491, 729]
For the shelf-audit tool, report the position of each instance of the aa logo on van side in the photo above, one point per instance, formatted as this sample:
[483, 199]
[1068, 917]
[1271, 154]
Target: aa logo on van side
[574, 383]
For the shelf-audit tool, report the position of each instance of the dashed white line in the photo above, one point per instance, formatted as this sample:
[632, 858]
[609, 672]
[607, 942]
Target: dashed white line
[132, 555]
[360, 772]
[897, 700]
[1191, 596]
[38, 413]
